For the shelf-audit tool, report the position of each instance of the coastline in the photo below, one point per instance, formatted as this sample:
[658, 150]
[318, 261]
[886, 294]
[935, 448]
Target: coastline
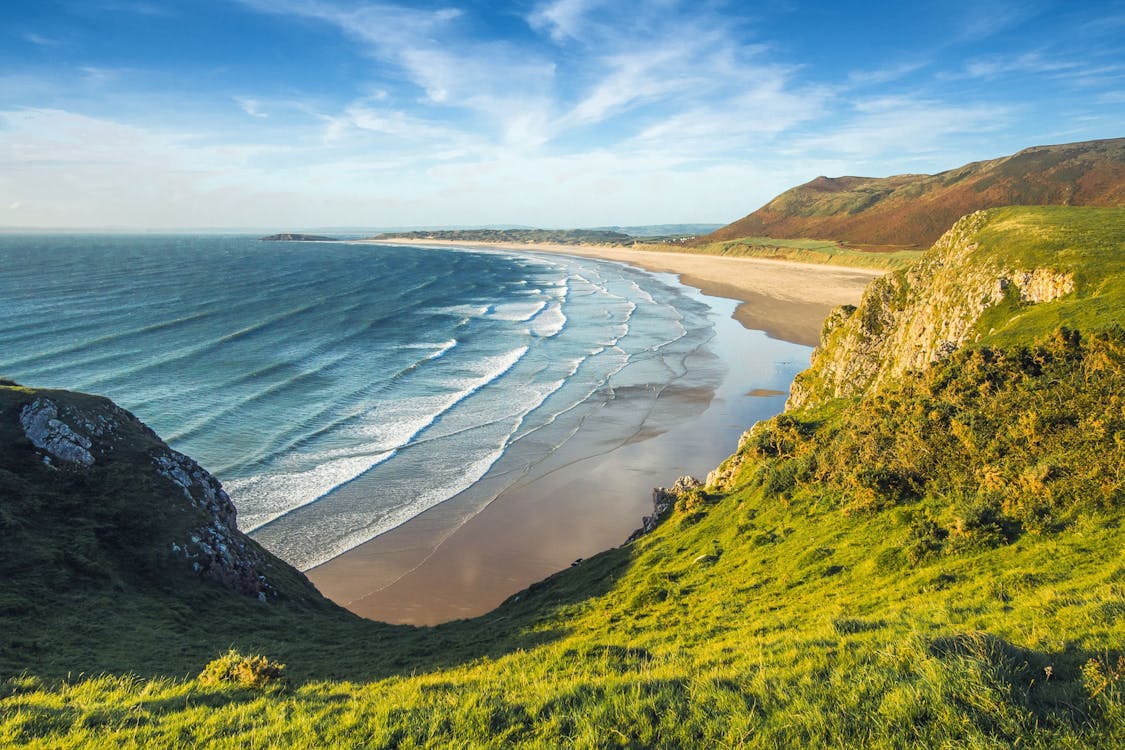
[787, 300]
[460, 560]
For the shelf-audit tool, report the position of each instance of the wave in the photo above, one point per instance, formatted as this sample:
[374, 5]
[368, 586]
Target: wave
[550, 322]
[388, 427]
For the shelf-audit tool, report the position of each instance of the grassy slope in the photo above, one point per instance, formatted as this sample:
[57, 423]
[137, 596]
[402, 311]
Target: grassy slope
[971, 592]
[1088, 242]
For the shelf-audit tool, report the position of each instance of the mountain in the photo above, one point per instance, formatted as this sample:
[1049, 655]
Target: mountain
[923, 550]
[912, 211]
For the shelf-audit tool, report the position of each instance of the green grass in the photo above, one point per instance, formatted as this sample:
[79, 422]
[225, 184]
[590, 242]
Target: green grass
[760, 647]
[799, 251]
[936, 564]
[1086, 242]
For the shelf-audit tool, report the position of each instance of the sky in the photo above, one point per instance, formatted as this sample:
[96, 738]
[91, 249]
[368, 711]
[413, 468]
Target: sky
[300, 114]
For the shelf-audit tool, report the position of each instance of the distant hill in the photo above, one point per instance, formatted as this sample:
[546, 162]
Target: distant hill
[551, 236]
[664, 230]
[290, 237]
[911, 211]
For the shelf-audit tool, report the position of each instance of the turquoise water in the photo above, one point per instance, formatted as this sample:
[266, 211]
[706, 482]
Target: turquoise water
[338, 389]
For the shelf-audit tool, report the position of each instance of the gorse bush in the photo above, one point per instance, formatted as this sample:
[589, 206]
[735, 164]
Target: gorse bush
[1002, 441]
[233, 668]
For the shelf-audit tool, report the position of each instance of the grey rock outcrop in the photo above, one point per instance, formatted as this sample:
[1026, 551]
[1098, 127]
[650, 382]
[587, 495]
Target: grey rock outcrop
[663, 500]
[217, 550]
[44, 426]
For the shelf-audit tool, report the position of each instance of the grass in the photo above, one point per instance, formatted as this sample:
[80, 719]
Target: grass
[799, 251]
[935, 564]
[761, 647]
[1086, 242]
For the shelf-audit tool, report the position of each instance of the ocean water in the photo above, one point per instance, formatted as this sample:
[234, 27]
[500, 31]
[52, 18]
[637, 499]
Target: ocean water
[338, 389]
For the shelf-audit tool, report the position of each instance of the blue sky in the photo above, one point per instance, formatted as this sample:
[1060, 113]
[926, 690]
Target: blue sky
[557, 113]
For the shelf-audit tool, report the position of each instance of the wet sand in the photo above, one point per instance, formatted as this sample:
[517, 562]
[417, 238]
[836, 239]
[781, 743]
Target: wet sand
[461, 560]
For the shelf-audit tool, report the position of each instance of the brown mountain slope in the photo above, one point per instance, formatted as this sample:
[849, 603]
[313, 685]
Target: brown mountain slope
[912, 211]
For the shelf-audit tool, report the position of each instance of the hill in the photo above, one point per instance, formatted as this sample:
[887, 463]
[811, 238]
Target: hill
[912, 211]
[931, 557]
[532, 236]
[291, 237]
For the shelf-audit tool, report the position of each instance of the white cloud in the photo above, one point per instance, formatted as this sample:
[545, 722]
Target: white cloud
[885, 74]
[1028, 63]
[250, 106]
[987, 18]
[496, 81]
[561, 19]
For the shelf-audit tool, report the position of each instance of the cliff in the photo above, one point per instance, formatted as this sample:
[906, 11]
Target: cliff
[92, 497]
[967, 289]
[913, 211]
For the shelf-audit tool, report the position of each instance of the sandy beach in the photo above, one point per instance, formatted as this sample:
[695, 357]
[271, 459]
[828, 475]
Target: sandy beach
[787, 300]
[461, 558]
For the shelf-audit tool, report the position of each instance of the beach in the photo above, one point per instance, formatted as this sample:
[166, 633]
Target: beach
[787, 300]
[466, 555]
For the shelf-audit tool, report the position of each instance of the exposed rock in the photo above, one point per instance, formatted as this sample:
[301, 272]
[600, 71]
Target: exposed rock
[217, 549]
[70, 443]
[912, 318]
[663, 499]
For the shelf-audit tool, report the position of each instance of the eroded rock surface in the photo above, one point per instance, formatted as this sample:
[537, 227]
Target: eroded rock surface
[45, 427]
[217, 549]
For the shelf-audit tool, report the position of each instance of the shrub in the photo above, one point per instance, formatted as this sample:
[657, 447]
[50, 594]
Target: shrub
[233, 668]
[924, 539]
[982, 525]
[691, 501]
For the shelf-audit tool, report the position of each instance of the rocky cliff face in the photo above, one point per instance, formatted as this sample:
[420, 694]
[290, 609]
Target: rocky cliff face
[914, 317]
[93, 442]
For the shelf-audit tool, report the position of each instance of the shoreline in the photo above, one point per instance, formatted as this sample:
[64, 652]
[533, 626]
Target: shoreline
[786, 299]
[459, 560]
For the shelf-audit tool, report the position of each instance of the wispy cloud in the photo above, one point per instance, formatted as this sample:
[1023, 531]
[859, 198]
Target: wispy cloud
[41, 40]
[987, 18]
[561, 19]
[882, 127]
[503, 84]
[138, 7]
[1028, 63]
[250, 106]
[885, 74]
[536, 111]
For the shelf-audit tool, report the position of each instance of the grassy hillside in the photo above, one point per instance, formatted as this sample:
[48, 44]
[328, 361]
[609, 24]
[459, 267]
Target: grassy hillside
[906, 212]
[933, 561]
[1004, 275]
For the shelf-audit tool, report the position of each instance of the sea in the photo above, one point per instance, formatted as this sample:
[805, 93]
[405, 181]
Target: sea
[338, 389]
